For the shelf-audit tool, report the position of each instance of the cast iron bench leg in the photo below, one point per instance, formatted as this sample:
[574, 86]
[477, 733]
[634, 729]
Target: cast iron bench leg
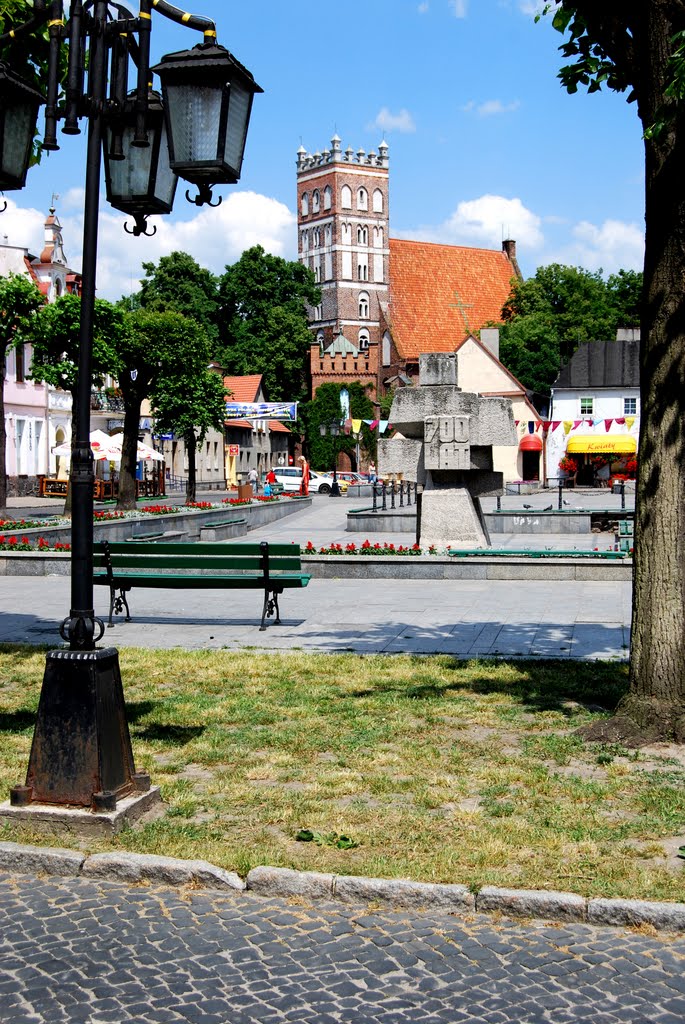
[117, 603]
[270, 606]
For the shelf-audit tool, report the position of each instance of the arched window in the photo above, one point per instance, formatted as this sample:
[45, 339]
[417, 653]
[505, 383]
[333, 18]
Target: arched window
[317, 270]
[362, 235]
[305, 204]
[327, 197]
[362, 199]
[347, 234]
[328, 235]
[305, 241]
[316, 201]
[364, 305]
[320, 341]
[378, 201]
[316, 238]
[346, 197]
[317, 313]
[363, 339]
[385, 356]
[363, 267]
[378, 238]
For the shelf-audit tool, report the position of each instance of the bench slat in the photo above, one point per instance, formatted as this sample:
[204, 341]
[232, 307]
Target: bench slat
[203, 548]
[163, 581]
[161, 560]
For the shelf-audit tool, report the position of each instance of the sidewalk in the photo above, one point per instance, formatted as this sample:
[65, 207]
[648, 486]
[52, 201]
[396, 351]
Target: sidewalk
[475, 618]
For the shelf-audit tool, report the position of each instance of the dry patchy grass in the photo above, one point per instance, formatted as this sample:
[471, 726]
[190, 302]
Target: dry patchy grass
[439, 769]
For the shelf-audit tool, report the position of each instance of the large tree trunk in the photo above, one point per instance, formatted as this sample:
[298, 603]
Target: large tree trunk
[654, 708]
[126, 499]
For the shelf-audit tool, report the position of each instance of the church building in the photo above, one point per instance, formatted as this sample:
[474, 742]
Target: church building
[384, 300]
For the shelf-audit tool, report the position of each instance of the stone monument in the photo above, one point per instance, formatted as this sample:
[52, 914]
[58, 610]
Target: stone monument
[444, 444]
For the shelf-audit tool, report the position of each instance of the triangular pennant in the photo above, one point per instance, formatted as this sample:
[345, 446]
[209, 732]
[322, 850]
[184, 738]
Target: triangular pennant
[555, 424]
[629, 422]
[356, 426]
[568, 425]
[382, 426]
[607, 425]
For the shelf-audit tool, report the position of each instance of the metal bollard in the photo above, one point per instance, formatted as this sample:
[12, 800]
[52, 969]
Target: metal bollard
[499, 502]
[392, 494]
[561, 491]
[623, 495]
[375, 496]
[383, 494]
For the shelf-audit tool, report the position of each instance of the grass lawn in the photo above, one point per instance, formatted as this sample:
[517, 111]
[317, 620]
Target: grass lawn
[433, 768]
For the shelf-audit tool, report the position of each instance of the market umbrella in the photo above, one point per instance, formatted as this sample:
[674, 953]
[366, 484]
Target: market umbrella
[104, 447]
[145, 452]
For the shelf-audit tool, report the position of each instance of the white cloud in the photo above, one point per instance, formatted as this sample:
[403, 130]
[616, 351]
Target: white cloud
[486, 221]
[402, 121]
[423, 7]
[490, 108]
[609, 246]
[214, 237]
[459, 7]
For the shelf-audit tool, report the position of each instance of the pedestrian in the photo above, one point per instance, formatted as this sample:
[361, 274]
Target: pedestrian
[372, 472]
[304, 485]
[271, 477]
[253, 479]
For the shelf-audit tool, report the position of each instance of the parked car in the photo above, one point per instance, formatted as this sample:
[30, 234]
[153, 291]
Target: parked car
[291, 479]
[351, 478]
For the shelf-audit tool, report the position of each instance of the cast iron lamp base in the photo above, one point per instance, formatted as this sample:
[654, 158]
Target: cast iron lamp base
[81, 753]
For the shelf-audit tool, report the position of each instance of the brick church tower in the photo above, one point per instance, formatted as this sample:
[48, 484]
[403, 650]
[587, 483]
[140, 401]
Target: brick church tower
[342, 202]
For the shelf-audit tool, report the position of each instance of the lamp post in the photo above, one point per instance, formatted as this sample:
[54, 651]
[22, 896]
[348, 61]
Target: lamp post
[81, 753]
[333, 429]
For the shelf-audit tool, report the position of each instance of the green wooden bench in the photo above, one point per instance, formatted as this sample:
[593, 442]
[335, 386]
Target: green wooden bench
[122, 565]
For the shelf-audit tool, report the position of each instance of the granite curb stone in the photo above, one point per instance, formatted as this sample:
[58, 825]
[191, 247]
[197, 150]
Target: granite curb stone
[138, 867]
[557, 906]
[286, 883]
[44, 860]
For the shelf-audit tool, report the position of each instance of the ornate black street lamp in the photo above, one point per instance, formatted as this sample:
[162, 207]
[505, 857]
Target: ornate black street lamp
[333, 429]
[81, 752]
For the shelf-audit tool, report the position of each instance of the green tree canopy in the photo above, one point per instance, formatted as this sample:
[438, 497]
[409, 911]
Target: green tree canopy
[178, 284]
[190, 412]
[156, 346]
[548, 316]
[263, 322]
[325, 409]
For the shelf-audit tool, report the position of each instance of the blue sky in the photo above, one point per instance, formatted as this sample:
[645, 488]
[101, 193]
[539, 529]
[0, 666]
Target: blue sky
[484, 143]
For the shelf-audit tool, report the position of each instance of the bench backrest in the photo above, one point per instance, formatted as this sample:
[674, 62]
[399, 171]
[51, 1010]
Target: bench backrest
[145, 555]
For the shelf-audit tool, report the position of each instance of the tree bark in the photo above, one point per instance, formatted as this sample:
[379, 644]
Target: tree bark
[3, 441]
[654, 707]
[126, 499]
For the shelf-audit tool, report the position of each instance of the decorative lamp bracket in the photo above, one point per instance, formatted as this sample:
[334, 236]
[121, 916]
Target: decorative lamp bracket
[204, 197]
[140, 227]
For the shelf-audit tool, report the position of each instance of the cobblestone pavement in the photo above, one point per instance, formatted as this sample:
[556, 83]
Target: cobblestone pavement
[75, 950]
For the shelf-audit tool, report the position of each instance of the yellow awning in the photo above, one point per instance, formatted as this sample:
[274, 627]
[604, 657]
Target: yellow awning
[596, 444]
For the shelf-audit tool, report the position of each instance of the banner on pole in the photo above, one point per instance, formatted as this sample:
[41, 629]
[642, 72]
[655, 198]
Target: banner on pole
[261, 411]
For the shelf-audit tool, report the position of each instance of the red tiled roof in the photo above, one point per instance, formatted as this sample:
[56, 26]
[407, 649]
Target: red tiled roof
[278, 428]
[441, 293]
[242, 424]
[243, 389]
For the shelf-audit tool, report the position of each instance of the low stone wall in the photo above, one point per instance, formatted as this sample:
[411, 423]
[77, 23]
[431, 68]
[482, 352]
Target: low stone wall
[391, 567]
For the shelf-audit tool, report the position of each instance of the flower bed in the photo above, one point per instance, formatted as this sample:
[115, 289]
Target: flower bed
[203, 505]
[159, 510]
[236, 501]
[21, 524]
[13, 543]
[106, 517]
[367, 548]
[262, 497]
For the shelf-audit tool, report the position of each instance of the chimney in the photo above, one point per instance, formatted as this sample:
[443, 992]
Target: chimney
[509, 249]
[489, 337]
